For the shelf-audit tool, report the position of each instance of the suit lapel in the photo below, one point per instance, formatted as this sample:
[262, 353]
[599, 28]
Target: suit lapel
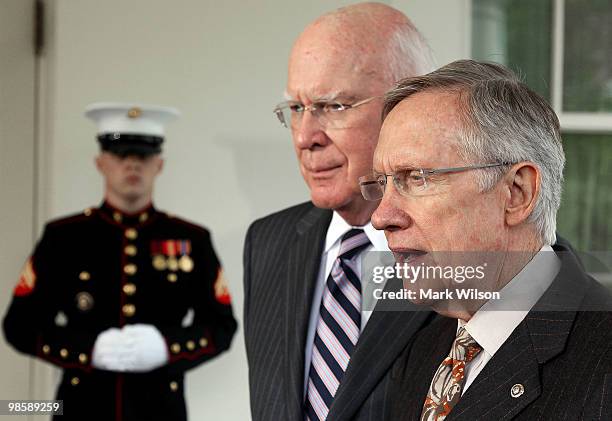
[431, 345]
[540, 337]
[384, 338]
[303, 261]
[490, 396]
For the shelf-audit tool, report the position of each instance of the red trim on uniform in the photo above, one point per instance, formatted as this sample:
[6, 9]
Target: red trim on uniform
[124, 243]
[63, 364]
[119, 398]
[57, 361]
[148, 208]
[153, 214]
[193, 355]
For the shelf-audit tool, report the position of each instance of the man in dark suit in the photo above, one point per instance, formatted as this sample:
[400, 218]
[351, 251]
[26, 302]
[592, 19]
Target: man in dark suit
[123, 297]
[302, 287]
[469, 163]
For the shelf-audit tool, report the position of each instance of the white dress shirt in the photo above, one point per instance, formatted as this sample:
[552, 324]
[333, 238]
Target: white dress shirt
[337, 228]
[493, 323]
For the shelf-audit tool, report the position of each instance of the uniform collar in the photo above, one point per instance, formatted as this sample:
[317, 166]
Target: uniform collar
[111, 213]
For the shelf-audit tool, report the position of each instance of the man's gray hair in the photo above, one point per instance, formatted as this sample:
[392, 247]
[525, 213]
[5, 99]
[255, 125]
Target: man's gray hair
[502, 121]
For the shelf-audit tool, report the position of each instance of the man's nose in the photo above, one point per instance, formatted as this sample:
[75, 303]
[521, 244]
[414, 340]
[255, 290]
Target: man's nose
[391, 215]
[133, 161]
[309, 131]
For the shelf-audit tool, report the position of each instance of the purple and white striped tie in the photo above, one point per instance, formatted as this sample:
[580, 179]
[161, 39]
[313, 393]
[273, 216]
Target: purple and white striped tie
[338, 327]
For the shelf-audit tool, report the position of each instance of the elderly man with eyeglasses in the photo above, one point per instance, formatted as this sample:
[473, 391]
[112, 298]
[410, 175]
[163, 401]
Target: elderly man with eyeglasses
[469, 164]
[303, 305]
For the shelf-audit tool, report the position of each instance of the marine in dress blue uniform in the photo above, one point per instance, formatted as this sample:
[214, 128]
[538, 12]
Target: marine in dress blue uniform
[124, 302]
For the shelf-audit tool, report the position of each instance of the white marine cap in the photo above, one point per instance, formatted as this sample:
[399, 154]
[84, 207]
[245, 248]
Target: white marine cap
[114, 117]
[130, 127]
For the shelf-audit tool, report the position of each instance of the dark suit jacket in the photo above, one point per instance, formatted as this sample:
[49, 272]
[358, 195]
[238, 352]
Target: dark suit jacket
[281, 261]
[561, 354]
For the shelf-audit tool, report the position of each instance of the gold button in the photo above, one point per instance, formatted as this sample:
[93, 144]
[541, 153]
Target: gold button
[174, 386]
[64, 353]
[130, 250]
[190, 345]
[175, 348]
[84, 276]
[84, 301]
[129, 289]
[172, 277]
[117, 217]
[129, 310]
[83, 358]
[75, 381]
[87, 212]
[130, 268]
[131, 233]
[203, 342]
[143, 217]
[46, 349]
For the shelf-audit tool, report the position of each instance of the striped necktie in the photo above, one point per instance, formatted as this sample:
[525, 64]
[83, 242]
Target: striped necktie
[338, 327]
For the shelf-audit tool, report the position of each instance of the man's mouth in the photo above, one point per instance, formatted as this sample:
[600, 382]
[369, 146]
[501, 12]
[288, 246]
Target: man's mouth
[323, 172]
[133, 179]
[408, 256]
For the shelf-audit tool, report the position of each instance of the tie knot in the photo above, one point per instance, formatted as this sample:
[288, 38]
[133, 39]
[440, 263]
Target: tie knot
[465, 347]
[352, 243]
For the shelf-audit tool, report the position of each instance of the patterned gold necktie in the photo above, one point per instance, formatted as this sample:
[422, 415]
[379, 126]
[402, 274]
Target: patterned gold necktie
[447, 383]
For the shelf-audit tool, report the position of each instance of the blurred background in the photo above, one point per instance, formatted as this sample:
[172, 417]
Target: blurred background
[228, 161]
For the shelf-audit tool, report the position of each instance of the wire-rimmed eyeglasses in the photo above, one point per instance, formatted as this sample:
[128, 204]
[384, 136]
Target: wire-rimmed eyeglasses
[411, 181]
[328, 113]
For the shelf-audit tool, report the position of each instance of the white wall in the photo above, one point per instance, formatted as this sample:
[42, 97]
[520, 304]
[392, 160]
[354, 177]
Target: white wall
[446, 24]
[17, 105]
[227, 160]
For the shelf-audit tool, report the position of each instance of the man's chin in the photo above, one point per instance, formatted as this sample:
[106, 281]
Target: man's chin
[132, 196]
[328, 198]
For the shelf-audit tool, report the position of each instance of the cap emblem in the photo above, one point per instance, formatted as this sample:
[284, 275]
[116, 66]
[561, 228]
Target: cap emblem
[134, 112]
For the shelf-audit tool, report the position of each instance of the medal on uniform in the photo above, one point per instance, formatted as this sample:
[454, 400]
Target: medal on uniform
[159, 262]
[84, 301]
[185, 262]
[170, 250]
[172, 263]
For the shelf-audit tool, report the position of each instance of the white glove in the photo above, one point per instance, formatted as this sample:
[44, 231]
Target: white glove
[109, 350]
[148, 349]
[134, 348]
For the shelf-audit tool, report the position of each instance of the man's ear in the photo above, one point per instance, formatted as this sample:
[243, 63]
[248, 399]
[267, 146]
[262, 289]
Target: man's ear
[523, 181]
[160, 165]
[99, 163]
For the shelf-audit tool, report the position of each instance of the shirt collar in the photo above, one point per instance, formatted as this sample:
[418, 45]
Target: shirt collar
[338, 227]
[493, 323]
